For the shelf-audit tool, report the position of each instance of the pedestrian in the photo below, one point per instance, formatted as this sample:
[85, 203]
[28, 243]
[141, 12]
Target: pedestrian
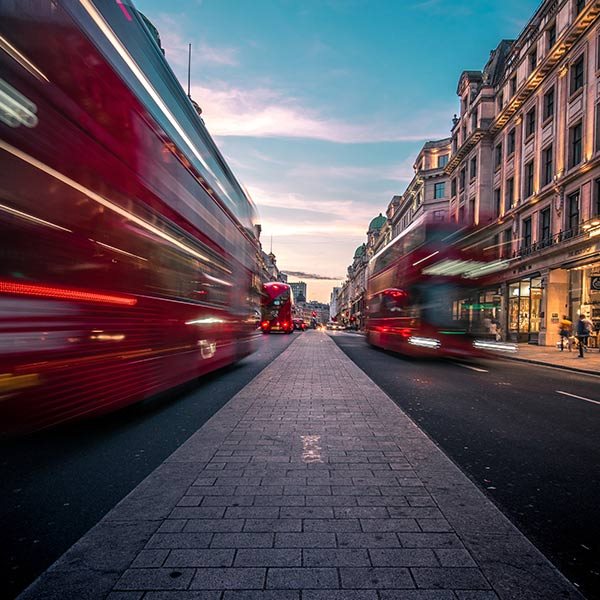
[564, 331]
[582, 334]
[589, 325]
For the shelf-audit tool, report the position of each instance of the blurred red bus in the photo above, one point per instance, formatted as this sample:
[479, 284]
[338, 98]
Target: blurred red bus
[419, 286]
[277, 302]
[128, 257]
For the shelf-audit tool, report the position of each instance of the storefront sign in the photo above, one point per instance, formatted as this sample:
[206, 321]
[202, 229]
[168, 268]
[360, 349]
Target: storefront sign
[595, 283]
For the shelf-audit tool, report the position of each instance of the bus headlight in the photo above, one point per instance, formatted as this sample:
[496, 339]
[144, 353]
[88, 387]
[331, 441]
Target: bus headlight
[424, 342]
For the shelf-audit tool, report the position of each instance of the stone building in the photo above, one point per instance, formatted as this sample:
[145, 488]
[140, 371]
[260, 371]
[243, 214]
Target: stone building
[525, 168]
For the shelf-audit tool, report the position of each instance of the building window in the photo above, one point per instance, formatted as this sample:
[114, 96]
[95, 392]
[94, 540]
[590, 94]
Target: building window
[453, 187]
[547, 165]
[549, 104]
[532, 61]
[526, 233]
[498, 155]
[551, 36]
[530, 123]
[464, 134]
[507, 242]
[572, 214]
[454, 143]
[597, 128]
[577, 75]
[579, 5]
[497, 201]
[442, 161]
[529, 179]
[463, 178]
[510, 142]
[461, 214]
[474, 119]
[500, 100]
[473, 169]
[439, 190]
[509, 191]
[596, 200]
[575, 144]
[513, 85]
[545, 231]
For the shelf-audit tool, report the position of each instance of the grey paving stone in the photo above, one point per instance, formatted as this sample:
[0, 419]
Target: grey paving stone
[415, 512]
[125, 596]
[336, 557]
[339, 595]
[259, 490]
[476, 595]
[227, 500]
[268, 557]
[450, 578]
[376, 577]
[454, 557]
[306, 512]
[382, 501]
[429, 540]
[434, 525]
[200, 558]
[403, 557]
[150, 558]
[392, 525]
[213, 525]
[242, 540]
[331, 501]
[302, 578]
[252, 512]
[197, 512]
[358, 512]
[262, 595]
[155, 579]
[179, 540]
[416, 595]
[305, 540]
[368, 540]
[172, 526]
[280, 500]
[332, 525]
[239, 578]
[273, 525]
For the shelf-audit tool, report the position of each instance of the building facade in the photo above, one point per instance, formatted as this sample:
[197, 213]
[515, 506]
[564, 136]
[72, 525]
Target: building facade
[299, 291]
[525, 168]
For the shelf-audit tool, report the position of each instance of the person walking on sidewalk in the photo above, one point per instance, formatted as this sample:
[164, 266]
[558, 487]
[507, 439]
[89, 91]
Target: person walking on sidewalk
[564, 330]
[582, 334]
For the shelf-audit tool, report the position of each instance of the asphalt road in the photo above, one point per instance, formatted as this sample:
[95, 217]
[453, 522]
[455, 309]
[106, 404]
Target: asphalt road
[535, 452]
[56, 485]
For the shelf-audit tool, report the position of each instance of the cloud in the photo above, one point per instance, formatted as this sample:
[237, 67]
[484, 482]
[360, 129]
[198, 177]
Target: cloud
[304, 275]
[265, 112]
[175, 43]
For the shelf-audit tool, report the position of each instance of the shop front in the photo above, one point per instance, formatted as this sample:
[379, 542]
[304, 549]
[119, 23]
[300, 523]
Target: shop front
[525, 309]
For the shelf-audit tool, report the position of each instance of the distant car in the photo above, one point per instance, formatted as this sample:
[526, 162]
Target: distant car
[334, 326]
[299, 324]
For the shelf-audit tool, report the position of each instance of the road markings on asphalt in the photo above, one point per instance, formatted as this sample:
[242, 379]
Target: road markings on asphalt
[578, 397]
[472, 368]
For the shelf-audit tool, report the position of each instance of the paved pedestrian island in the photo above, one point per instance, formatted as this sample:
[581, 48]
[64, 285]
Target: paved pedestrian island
[310, 484]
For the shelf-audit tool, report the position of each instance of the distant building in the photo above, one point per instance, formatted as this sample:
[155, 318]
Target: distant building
[333, 302]
[299, 290]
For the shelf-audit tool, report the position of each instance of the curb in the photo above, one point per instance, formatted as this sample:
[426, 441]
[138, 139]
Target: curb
[552, 365]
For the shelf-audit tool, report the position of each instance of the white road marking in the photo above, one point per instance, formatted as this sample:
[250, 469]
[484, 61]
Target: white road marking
[578, 397]
[472, 368]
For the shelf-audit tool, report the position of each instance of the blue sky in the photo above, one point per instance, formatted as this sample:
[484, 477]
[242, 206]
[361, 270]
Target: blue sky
[320, 107]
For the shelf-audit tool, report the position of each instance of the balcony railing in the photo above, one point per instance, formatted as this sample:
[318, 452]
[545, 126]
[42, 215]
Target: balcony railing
[578, 232]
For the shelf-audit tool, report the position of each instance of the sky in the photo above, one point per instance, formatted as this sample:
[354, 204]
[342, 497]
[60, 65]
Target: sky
[321, 106]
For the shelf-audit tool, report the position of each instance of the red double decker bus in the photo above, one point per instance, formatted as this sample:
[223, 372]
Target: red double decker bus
[419, 288]
[128, 261]
[277, 304]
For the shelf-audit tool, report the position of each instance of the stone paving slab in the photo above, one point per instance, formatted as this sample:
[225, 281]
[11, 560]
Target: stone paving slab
[310, 484]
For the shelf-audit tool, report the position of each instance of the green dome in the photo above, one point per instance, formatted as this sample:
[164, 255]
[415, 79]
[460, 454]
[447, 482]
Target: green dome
[378, 222]
[360, 251]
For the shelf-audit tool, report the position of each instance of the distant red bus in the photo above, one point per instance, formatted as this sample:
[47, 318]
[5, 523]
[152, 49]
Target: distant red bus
[277, 302]
[128, 259]
[419, 286]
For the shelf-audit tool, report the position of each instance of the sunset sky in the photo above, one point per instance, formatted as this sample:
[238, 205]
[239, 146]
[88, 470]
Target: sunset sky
[320, 107]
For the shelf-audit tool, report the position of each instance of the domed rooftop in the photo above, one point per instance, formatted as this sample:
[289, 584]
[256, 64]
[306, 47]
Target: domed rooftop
[360, 251]
[378, 222]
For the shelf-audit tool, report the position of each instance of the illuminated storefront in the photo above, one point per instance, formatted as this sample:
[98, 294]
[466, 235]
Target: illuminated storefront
[525, 309]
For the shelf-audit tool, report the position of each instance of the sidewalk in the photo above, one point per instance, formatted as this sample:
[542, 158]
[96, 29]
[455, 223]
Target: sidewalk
[310, 484]
[547, 355]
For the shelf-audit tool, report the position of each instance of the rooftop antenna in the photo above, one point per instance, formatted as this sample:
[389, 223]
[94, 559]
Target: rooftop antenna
[189, 68]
